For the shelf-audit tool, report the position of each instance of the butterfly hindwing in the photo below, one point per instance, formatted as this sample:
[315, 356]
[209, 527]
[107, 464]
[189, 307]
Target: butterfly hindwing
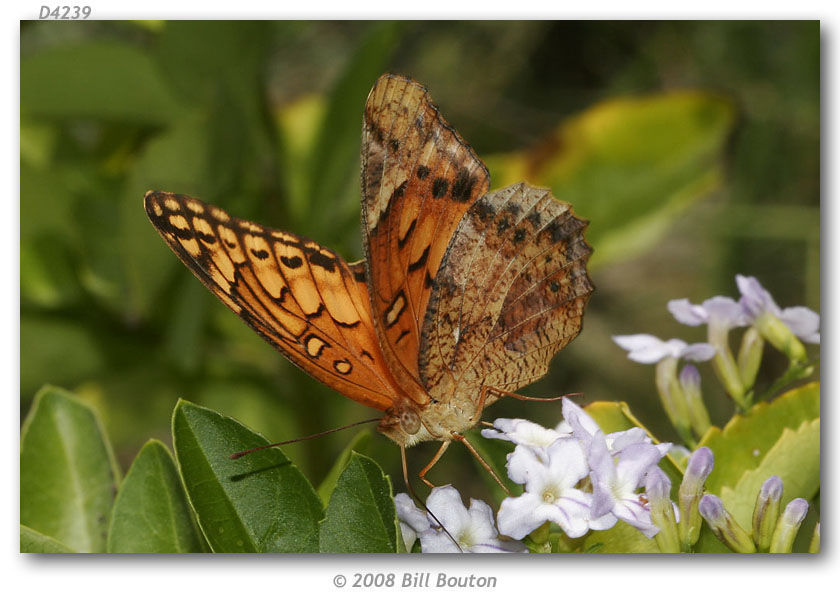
[418, 179]
[510, 294]
[302, 298]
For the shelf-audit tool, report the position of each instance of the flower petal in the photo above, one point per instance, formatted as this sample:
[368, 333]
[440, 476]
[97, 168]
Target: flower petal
[754, 298]
[521, 431]
[803, 322]
[517, 516]
[644, 348]
[687, 313]
[482, 523]
[633, 512]
[566, 463]
[437, 542]
[446, 504]
[583, 426]
[408, 513]
[698, 352]
[525, 467]
[634, 462]
[498, 546]
[725, 313]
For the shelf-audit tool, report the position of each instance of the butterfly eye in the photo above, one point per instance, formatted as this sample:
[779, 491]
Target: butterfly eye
[410, 422]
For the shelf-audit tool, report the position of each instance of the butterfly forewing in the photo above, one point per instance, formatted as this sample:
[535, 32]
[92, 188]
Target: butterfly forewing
[418, 179]
[301, 297]
[510, 294]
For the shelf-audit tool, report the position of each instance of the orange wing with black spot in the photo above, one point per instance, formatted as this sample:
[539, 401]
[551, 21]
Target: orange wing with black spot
[302, 298]
[418, 179]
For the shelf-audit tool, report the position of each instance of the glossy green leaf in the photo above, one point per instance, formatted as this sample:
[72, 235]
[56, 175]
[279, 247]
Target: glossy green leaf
[258, 503]
[33, 542]
[361, 516]
[630, 166]
[777, 438]
[746, 440]
[357, 444]
[95, 79]
[151, 512]
[795, 458]
[68, 475]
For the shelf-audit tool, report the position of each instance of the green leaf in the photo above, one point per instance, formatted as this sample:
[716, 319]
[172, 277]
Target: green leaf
[106, 80]
[361, 516]
[33, 542]
[630, 166]
[258, 503]
[795, 458]
[746, 440]
[151, 512]
[357, 444]
[619, 539]
[778, 438]
[68, 475]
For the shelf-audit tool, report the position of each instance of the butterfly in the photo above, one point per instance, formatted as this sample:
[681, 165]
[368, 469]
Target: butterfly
[464, 295]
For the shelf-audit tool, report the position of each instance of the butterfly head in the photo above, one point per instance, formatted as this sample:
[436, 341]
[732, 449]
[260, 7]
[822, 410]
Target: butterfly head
[403, 425]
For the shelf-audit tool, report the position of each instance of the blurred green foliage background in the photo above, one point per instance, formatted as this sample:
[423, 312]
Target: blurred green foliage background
[692, 147]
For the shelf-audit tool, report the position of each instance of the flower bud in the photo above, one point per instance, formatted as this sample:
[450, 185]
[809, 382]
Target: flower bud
[749, 356]
[700, 464]
[788, 525]
[766, 512]
[724, 364]
[673, 401]
[724, 526]
[658, 488]
[814, 547]
[690, 384]
[781, 337]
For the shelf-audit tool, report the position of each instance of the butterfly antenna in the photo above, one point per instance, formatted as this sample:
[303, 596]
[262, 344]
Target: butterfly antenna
[242, 453]
[417, 499]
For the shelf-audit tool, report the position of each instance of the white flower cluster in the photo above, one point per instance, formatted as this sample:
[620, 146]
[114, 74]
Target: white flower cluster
[574, 475]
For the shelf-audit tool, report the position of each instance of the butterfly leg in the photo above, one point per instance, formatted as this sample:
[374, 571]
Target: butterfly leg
[483, 462]
[501, 393]
[431, 464]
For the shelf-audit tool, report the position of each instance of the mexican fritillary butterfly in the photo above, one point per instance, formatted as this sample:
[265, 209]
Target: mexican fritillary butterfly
[464, 296]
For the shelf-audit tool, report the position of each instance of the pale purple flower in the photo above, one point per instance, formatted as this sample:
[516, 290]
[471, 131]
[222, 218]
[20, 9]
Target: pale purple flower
[720, 311]
[473, 528]
[413, 521]
[649, 349]
[700, 464]
[584, 427]
[711, 508]
[657, 485]
[522, 431]
[755, 301]
[550, 492]
[616, 479]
